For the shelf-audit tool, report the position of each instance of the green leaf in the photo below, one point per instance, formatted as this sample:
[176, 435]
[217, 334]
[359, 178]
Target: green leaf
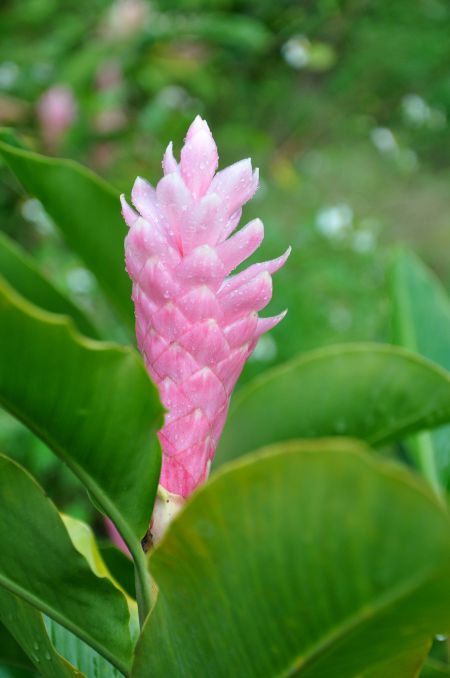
[11, 653]
[27, 626]
[120, 567]
[421, 315]
[79, 654]
[40, 564]
[87, 211]
[435, 669]
[312, 559]
[84, 541]
[373, 392]
[407, 665]
[91, 402]
[21, 272]
[422, 309]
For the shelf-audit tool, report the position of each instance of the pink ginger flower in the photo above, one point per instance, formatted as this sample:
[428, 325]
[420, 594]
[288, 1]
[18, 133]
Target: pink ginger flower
[196, 324]
[56, 110]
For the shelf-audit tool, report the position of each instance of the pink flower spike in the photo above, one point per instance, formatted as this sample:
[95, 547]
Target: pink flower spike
[196, 327]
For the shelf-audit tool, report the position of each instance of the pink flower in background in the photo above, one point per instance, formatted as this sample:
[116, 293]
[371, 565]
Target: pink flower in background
[125, 18]
[115, 537]
[196, 324]
[56, 110]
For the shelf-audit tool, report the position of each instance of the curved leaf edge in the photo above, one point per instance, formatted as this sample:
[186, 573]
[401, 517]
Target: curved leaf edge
[81, 320]
[341, 445]
[67, 325]
[341, 349]
[9, 132]
[52, 654]
[48, 610]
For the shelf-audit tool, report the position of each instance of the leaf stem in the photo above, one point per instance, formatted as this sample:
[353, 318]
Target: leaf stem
[142, 582]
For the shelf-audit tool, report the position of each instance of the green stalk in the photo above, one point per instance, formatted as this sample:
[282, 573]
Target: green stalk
[143, 584]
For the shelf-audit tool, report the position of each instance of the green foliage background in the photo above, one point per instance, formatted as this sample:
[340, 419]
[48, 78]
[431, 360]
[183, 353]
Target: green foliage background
[344, 106]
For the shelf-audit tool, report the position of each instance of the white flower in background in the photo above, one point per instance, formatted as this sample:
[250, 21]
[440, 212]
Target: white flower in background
[363, 241]
[266, 349]
[296, 51]
[417, 112]
[9, 72]
[383, 139]
[415, 109]
[335, 221]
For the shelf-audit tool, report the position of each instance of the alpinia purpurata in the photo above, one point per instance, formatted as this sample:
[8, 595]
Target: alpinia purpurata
[196, 325]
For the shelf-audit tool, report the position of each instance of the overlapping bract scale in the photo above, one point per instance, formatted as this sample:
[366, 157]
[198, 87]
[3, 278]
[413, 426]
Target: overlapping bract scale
[196, 324]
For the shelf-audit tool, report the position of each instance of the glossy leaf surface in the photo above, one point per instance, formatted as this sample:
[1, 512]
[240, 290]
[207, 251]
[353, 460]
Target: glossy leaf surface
[40, 564]
[299, 560]
[101, 425]
[22, 273]
[374, 392]
[421, 313]
[85, 208]
[26, 623]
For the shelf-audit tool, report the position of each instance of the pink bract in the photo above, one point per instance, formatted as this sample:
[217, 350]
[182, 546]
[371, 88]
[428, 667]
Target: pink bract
[196, 324]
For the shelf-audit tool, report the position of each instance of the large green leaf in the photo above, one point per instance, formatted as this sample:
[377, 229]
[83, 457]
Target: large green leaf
[78, 653]
[40, 564]
[85, 208]
[21, 272]
[120, 566]
[92, 403]
[81, 655]
[11, 654]
[406, 665]
[421, 314]
[27, 626]
[312, 559]
[374, 392]
[435, 669]
[84, 540]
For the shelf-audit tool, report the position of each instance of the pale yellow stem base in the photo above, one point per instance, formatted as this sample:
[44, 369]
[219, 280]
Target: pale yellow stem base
[166, 507]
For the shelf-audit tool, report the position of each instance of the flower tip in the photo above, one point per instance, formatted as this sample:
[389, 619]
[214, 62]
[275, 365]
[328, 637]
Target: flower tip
[199, 158]
[169, 163]
[267, 324]
[141, 190]
[128, 213]
[138, 188]
[198, 125]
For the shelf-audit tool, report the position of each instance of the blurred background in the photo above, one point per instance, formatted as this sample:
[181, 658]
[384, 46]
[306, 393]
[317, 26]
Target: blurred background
[343, 104]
